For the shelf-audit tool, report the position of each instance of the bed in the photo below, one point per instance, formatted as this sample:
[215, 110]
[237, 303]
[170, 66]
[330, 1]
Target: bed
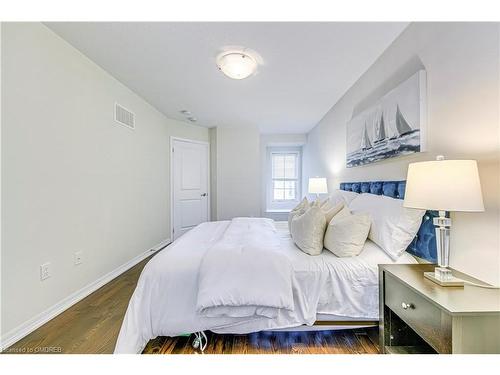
[175, 296]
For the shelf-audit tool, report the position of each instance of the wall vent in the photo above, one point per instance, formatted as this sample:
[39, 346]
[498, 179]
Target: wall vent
[124, 117]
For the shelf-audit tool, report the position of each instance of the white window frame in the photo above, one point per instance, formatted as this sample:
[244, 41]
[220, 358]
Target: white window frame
[282, 205]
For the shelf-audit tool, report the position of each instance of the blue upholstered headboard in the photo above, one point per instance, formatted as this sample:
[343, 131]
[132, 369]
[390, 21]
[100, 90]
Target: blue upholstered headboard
[424, 243]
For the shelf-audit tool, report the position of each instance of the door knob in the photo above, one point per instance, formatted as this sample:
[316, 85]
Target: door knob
[406, 306]
[204, 195]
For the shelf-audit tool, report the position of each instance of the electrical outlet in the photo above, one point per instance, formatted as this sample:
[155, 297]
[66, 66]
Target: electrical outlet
[45, 271]
[78, 257]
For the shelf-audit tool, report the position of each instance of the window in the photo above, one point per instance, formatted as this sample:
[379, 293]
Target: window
[284, 178]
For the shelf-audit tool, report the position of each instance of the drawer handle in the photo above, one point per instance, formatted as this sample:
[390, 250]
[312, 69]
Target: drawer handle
[407, 306]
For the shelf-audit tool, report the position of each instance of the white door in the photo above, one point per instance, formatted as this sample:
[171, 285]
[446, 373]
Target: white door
[189, 185]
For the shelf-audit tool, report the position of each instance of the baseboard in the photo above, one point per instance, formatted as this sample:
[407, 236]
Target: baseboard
[29, 326]
[161, 245]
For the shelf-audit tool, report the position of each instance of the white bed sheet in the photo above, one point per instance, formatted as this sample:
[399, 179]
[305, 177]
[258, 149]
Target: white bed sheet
[164, 302]
[350, 287]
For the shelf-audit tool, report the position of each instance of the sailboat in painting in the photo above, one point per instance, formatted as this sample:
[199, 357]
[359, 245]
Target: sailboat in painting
[403, 140]
[380, 130]
[402, 125]
[365, 140]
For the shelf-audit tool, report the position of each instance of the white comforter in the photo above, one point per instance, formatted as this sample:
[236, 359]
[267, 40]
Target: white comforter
[166, 299]
[246, 273]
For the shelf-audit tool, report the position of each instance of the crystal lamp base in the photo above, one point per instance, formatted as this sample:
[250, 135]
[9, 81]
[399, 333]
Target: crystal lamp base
[444, 277]
[442, 273]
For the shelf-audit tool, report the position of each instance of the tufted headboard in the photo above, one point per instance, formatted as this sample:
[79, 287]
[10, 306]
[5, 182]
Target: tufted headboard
[424, 243]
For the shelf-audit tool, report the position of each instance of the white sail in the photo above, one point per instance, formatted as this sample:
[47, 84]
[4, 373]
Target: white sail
[365, 140]
[402, 125]
[381, 129]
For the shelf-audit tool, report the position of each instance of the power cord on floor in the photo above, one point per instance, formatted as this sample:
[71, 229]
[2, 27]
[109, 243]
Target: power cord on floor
[198, 341]
[480, 285]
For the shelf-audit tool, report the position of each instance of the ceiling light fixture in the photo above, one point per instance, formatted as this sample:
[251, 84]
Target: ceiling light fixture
[188, 115]
[237, 64]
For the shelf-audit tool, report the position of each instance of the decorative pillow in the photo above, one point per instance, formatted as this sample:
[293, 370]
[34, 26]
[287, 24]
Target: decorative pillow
[393, 226]
[308, 230]
[298, 210]
[343, 196]
[325, 203]
[346, 234]
[330, 211]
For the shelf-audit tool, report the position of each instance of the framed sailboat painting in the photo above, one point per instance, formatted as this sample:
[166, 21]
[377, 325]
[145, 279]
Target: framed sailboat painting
[394, 126]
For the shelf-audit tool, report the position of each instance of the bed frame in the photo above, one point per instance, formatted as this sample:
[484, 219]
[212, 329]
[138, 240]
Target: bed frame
[423, 245]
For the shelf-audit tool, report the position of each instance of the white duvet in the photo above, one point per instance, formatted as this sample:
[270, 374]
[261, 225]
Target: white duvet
[246, 273]
[175, 294]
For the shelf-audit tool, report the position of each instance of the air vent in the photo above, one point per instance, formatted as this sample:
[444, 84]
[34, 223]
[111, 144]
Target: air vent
[124, 117]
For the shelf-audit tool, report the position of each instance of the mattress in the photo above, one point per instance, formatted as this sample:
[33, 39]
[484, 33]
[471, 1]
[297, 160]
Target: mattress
[164, 301]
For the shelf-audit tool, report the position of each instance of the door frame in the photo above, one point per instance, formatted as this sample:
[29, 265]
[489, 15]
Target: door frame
[171, 175]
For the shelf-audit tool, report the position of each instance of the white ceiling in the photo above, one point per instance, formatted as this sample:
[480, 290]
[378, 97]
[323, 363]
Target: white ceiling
[307, 66]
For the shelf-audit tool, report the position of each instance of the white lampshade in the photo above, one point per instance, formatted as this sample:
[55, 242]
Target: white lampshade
[317, 185]
[444, 185]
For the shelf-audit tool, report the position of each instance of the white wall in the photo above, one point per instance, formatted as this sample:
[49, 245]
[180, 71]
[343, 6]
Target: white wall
[238, 165]
[462, 64]
[237, 172]
[274, 140]
[73, 179]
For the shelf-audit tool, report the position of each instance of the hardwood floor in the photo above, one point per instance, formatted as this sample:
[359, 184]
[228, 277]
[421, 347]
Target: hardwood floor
[359, 341]
[92, 326]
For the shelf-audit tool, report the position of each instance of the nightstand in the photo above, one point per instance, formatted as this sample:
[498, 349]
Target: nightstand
[419, 316]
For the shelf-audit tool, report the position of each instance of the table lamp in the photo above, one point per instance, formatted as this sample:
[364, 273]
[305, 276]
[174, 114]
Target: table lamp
[444, 185]
[317, 185]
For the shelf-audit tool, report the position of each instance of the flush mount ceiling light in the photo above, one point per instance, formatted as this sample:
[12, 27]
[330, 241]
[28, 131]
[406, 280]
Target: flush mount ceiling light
[238, 64]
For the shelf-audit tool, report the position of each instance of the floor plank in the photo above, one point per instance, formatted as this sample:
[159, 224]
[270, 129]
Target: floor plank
[92, 326]
[318, 342]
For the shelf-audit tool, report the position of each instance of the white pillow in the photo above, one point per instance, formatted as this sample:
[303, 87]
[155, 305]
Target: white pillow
[393, 226]
[298, 210]
[346, 234]
[308, 230]
[330, 211]
[343, 196]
